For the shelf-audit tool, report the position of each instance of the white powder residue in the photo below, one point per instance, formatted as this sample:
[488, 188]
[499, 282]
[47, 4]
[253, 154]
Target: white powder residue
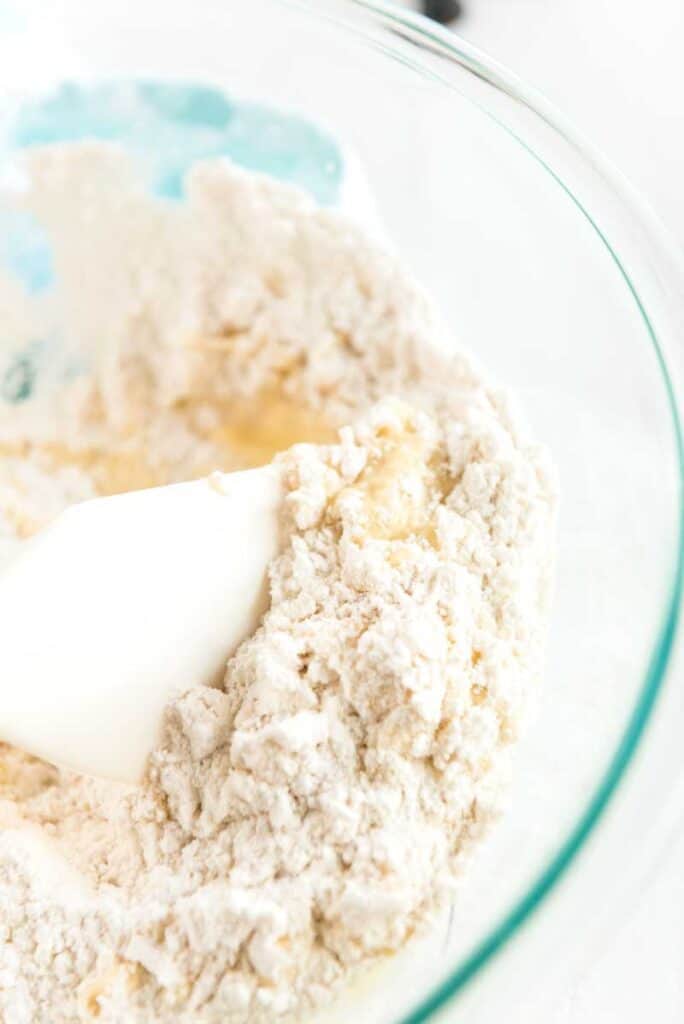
[308, 817]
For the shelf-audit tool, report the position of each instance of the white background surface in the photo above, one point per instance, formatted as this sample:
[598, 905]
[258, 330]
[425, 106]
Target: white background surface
[615, 67]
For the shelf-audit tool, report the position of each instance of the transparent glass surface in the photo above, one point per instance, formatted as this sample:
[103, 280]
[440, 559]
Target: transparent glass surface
[556, 277]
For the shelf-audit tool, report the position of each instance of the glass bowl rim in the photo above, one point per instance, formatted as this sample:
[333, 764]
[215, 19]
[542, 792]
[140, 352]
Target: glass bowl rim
[500, 78]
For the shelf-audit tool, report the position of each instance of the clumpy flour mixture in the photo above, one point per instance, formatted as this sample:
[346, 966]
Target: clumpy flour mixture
[306, 818]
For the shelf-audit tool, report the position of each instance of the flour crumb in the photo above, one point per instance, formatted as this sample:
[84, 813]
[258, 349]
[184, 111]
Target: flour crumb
[307, 817]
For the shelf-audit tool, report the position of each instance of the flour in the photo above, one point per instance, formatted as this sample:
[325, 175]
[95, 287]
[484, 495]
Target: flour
[306, 818]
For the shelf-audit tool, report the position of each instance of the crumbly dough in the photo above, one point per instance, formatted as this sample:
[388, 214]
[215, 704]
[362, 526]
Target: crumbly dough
[310, 815]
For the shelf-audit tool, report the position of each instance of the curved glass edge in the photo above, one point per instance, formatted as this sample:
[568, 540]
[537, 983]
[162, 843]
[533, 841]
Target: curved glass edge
[620, 761]
[499, 77]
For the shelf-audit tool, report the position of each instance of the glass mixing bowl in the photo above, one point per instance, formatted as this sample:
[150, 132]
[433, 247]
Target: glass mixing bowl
[559, 280]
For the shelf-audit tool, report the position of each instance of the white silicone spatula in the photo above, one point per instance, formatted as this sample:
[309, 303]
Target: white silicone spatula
[121, 603]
